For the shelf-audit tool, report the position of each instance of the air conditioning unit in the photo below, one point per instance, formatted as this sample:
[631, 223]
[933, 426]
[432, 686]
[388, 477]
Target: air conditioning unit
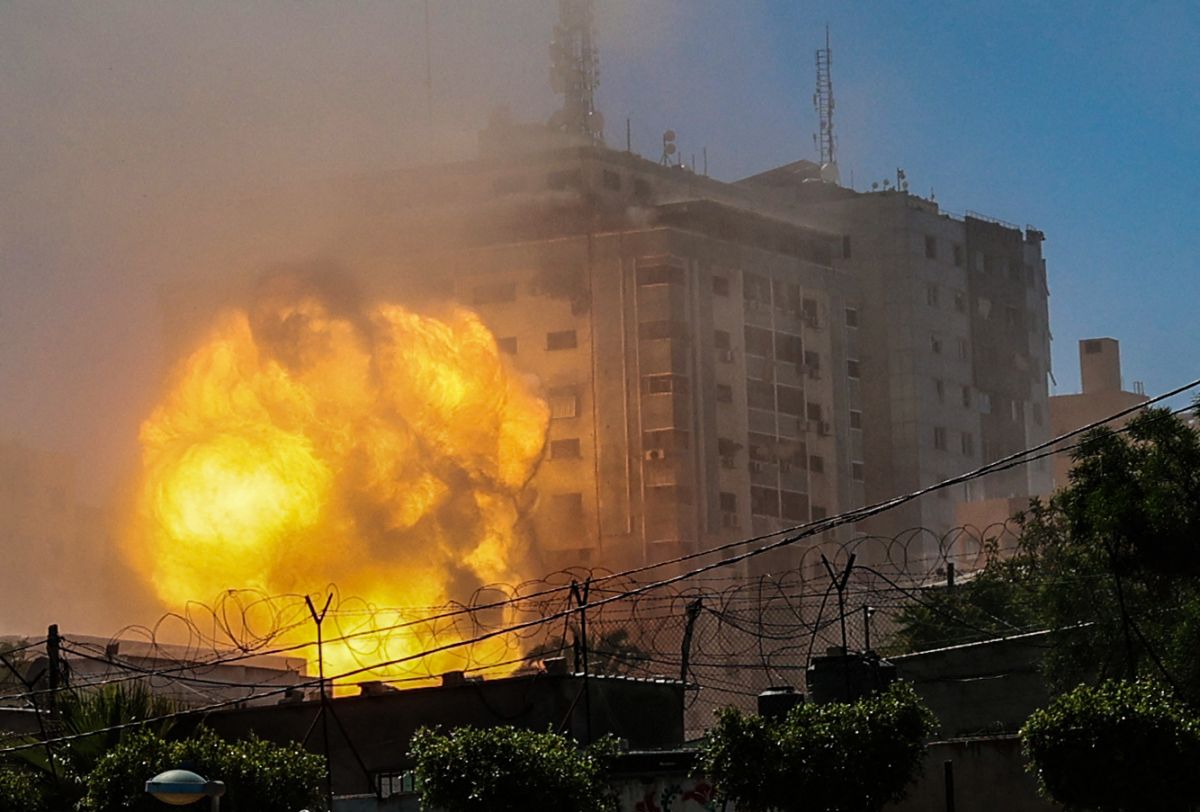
[757, 467]
[823, 429]
[725, 356]
[813, 372]
[811, 320]
[655, 454]
[785, 466]
[728, 462]
[730, 520]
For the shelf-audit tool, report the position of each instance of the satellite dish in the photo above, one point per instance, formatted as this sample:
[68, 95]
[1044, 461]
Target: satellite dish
[669, 149]
[669, 135]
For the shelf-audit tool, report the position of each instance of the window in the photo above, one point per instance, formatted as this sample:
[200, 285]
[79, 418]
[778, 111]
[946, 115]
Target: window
[851, 317]
[964, 349]
[567, 449]
[935, 344]
[660, 274]
[795, 505]
[791, 400]
[853, 369]
[812, 362]
[720, 285]
[931, 294]
[651, 330]
[758, 341]
[1016, 411]
[939, 438]
[977, 262]
[966, 397]
[930, 246]
[611, 180]
[721, 339]
[960, 301]
[760, 395]
[565, 179]
[856, 471]
[756, 290]
[845, 246]
[984, 306]
[495, 292]
[728, 502]
[809, 312]
[666, 439]
[561, 340]
[985, 402]
[1011, 316]
[813, 411]
[724, 393]
[1091, 347]
[968, 444]
[816, 464]
[567, 505]
[563, 402]
[855, 419]
[507, 345]
[641, 188]
[939, 387]
[958, 255]
[664, 384]
[764, 501]
[789, 348]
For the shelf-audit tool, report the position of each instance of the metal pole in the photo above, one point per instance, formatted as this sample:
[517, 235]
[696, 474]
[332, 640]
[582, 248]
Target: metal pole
[54, 658]
[948, 772]
[866, 628]
[319, 618]
[581, 597]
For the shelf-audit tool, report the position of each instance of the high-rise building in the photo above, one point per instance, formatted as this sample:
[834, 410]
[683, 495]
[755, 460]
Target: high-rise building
[723, 360]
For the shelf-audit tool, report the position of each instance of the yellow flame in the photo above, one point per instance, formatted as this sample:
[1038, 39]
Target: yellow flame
[383, 451]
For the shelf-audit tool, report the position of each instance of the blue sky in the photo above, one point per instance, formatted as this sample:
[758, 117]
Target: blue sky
[1080, 118]
[124, 118]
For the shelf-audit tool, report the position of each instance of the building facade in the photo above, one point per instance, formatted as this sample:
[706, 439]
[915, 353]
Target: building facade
[724, 360]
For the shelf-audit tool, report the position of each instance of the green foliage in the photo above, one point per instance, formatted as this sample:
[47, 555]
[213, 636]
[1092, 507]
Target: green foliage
[820, 758]
[504, 769]
[19, 790]
[111, 709]
[1113, 557]
[1118, 747]
[259, 776]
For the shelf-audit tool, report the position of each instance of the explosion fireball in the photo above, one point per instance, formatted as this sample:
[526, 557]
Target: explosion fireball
[312, 440]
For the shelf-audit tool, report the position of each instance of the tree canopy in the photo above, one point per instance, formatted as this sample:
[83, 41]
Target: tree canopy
[1118, 747]
[505, 769]
[1112, 557]
[834, 757]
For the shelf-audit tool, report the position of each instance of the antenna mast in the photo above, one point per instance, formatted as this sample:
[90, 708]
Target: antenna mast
[823, 102]
[575, 71]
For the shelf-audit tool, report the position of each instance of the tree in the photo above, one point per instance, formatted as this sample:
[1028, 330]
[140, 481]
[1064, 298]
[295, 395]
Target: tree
[98, 719]
[19, 790]
[1119, 747]
[820, 758]
[1113, 558]
[259, 776]
[505, 769]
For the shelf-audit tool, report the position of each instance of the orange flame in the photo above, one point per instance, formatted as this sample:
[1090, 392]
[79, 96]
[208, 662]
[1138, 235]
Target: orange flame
[378, 449]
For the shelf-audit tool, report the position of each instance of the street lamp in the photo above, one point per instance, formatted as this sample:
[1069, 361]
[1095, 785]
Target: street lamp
[179, 787]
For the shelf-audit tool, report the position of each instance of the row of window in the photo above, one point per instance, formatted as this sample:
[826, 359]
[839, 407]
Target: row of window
[555, 340]
[937, 346]
[562, 179]
[966, 441]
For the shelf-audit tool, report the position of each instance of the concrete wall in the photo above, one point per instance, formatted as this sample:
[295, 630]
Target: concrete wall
[378, 729]
[988, 687]
[989, 776]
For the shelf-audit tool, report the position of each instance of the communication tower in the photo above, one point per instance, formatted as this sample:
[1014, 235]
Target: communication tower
[824, 139]
[575, 71]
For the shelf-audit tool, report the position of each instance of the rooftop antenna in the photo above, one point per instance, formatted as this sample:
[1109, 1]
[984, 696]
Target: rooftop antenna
[575, 71]
[823, 102]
